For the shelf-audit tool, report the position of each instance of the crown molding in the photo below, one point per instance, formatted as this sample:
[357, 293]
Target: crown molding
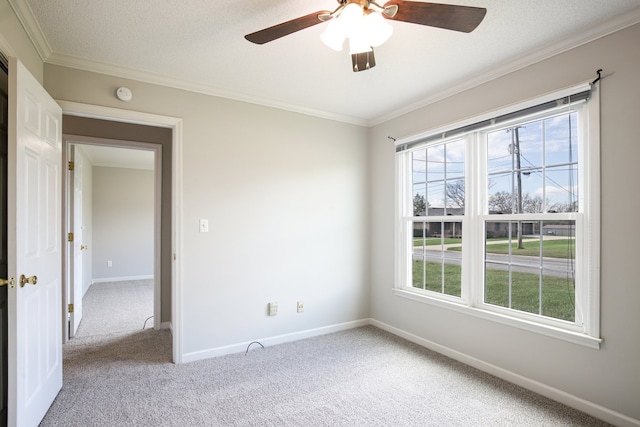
[186, 85]
[621, 22]
[30, 24]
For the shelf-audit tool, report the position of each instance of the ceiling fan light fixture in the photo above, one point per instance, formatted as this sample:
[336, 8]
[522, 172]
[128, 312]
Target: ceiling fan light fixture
[333, 36]
[363, 61]
[351, 17]
[359, 45]
[376, 28]
[365, 28]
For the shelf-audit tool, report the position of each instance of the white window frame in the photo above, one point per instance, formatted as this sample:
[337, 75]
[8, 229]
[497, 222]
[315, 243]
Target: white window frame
[586, 329]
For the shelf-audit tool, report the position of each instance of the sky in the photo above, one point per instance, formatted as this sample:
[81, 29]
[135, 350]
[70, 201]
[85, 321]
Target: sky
[548, 162]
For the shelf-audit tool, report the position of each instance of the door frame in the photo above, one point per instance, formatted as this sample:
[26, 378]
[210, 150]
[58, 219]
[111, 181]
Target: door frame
[156, 148]
[175, 124]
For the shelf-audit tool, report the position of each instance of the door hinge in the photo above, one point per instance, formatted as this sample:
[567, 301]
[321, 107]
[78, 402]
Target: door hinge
[70, 237]
[71, 166]
[70, 308]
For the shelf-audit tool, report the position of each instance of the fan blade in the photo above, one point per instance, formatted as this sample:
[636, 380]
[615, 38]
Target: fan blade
[286, 28]
[447, 16]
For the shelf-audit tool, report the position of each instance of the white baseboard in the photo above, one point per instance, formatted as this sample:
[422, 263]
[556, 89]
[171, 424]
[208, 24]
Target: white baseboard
[120, 279]
[565, 398]
[270, 341]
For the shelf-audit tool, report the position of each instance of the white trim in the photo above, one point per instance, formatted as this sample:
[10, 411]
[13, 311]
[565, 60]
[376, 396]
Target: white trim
[120, 279]
[175, 123]
[271, 341]
[553, 393]
[592, 213]
[531, 326]
[585, 329]
[196, 87]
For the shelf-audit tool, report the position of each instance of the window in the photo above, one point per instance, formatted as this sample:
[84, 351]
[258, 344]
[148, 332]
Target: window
[499, 217]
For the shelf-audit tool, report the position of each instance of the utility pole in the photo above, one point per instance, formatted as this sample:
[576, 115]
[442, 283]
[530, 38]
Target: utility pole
[515, 147]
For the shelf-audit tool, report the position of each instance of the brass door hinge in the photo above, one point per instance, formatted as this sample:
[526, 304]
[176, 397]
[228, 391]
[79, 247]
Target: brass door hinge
[70, 237]
[70, 308]
[71, 166]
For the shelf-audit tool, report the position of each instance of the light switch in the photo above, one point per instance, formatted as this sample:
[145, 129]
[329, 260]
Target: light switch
[204, 225]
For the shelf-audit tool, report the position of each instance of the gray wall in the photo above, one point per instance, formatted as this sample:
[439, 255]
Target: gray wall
[286, 196]
[123, 223]
[610, 376]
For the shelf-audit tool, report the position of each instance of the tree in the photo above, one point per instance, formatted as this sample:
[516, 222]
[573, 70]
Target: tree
[455, 194]
[564, 207]
[505, 202]
[501, 202]
[532, 204]
[419, 205]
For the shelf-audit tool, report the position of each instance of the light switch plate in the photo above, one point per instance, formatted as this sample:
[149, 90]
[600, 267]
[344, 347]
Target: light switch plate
[204, 225]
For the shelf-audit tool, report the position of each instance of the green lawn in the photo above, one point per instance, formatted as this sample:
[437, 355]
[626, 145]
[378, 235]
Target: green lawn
[557, 292]
[430, 241]
[560, 248]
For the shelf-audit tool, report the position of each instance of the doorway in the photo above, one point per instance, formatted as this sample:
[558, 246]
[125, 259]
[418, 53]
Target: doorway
[114, 212]
[106, 122]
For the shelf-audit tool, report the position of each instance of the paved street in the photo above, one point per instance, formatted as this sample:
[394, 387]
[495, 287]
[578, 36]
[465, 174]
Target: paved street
[559, 267]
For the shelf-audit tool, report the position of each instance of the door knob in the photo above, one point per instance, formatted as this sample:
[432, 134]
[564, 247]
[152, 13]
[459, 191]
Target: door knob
[30, 280]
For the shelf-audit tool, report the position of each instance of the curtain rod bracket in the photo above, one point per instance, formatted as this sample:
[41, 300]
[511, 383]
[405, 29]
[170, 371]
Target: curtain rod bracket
[598, 78]
[391, 138]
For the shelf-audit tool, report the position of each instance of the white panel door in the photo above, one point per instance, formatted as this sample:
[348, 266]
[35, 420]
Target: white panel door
[77, 274]
[34, 248]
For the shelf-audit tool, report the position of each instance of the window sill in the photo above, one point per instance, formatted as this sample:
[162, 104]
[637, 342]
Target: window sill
[550, 331]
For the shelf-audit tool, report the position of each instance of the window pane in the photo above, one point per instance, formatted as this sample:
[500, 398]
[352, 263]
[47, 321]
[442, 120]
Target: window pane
[438, 177]
[419, 182]
[435, 198]
[455, 197]
[437, 257]
[455, 160]
[532, 168]
[561, 139]
[558, 269]
[562, 188]
[499, 155]
[501, 200]
[528, 138]
[529, 266]
[419, 200]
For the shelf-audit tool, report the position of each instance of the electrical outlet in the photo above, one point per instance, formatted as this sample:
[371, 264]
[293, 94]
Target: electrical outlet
[273, 308]
[109, 263]
[300, 306]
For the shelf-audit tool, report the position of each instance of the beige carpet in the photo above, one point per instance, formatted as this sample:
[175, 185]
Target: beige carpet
[359, 377]
[114, 307]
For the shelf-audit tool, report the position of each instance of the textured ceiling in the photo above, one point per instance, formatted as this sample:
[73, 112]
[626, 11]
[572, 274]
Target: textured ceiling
[199, 45]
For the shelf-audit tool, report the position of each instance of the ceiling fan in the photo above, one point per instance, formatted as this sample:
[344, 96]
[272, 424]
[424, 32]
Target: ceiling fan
[361, 22]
